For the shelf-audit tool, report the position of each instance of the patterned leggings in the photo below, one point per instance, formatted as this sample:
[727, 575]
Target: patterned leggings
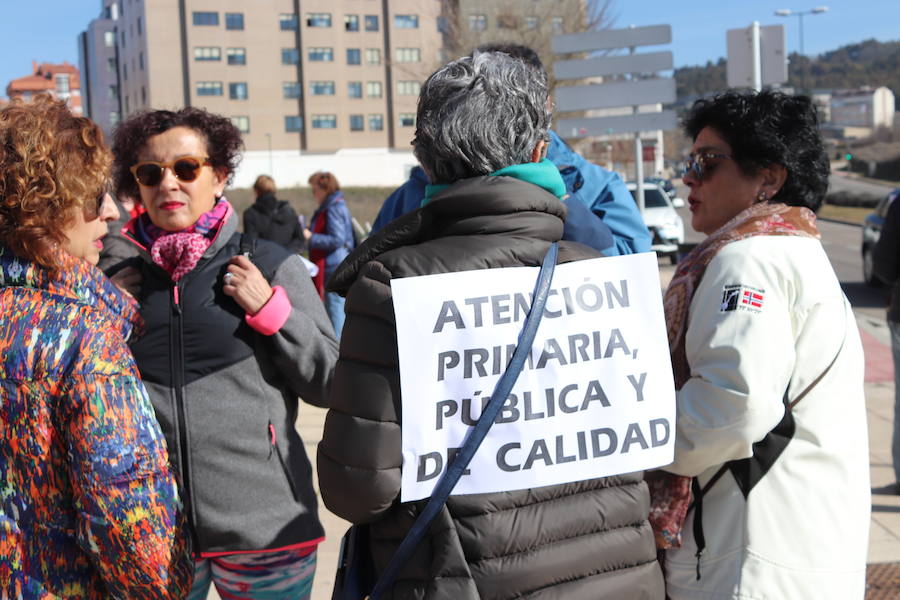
[285, 575]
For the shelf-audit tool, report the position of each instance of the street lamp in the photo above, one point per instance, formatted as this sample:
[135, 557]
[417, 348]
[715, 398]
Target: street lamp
[786, 12]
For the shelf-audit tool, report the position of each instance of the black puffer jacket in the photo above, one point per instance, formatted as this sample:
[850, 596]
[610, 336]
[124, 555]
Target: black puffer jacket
[271, 219]
[583, 540]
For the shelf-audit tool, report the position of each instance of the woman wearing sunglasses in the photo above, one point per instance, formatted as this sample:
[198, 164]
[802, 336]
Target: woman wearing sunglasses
[768, 496]
[88, 508]
[236, 333]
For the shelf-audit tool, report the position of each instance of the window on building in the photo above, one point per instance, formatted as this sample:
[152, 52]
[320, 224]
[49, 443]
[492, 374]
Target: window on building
[62, 84]
[477, 22]
[354, 89]
[321, 88]
[242, 124]
[293, 123]
[443, 25]
[373, 56]
[357, 123]
[127, 105]
[237, 90]
[236, 56]
[407, 119]
[122, 37]
[288, 22]
[353, 56]
[109, 39]
[291, 90]
[113, 92]
[140, 26]
[405, 55]
[290, 56]
[141, 60]
[114, 117]
[324, 121]
[507, 22]
[234, 21]
[318, 19]
[125, 72]
[143, 96]
[206, 18]
[376, 122]
[207, 53]
[209, 88]
[351, 22]
[320, 54]
[531, 22]
[406, 21]
[111, 64]
[371, 22]
[556, 24]
[408, 88]
[373, 89]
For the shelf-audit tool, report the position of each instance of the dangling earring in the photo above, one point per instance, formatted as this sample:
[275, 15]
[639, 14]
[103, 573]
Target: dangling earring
[762, 197]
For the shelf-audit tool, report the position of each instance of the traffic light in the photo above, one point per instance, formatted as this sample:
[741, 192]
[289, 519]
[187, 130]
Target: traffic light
[848, 156]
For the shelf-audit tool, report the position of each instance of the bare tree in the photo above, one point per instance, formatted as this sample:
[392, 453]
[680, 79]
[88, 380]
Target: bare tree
[470, 23]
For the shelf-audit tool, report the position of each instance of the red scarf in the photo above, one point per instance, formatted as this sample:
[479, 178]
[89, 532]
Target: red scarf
[317, 257]
[178, 252]
[670, 495]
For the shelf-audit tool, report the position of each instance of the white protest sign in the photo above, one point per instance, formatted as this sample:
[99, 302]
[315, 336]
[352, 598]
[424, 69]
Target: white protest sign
[594, 399]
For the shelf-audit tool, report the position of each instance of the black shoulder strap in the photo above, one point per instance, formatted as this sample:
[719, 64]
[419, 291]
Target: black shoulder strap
[248, 246]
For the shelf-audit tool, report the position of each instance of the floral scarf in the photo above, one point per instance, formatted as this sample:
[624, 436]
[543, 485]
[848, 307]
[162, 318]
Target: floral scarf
[670, 495]
[179, 251]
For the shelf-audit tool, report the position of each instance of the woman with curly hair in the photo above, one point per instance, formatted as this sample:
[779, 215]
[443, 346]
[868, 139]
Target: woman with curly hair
[88, 507]
[773, 499]
[236, 333]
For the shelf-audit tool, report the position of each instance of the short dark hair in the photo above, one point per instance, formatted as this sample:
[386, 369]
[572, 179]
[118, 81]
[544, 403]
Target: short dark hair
[767, 128]
[223, 141]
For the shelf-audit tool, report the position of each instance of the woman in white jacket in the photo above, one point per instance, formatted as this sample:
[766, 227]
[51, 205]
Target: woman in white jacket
[768, 496]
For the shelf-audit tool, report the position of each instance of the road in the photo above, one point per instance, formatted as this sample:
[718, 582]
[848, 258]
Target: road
[842, 183]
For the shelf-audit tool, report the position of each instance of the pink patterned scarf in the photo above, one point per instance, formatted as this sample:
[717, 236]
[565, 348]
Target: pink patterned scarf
[670, 495]
[179, 251]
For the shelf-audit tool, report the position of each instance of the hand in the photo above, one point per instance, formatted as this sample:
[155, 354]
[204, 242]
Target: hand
[306, 234]
[128, 280]
[244, 282]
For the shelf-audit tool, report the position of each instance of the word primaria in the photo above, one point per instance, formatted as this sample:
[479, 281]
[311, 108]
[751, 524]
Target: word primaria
[578, 347]
[562, 449]
[511, 308]
[527, 407]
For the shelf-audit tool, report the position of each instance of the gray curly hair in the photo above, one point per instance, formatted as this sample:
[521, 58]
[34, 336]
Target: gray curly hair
[479, 114]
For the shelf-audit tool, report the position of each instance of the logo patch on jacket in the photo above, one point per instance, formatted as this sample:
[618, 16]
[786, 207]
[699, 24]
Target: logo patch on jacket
[742, 297]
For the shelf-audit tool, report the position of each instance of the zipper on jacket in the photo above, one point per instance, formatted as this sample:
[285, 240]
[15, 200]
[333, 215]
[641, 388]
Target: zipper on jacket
[177, 353]
[273, 447]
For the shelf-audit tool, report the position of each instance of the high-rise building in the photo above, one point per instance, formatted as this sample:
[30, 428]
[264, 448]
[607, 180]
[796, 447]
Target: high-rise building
[99, 64]
[298, 78]
[59, 80]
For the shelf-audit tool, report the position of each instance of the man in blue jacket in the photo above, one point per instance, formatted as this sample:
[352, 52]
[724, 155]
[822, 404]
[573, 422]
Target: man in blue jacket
[593, 192]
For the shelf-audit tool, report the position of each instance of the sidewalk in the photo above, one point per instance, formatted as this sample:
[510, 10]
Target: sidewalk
[884, 537]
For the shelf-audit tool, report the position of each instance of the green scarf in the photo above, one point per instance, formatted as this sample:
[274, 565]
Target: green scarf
[543, 174]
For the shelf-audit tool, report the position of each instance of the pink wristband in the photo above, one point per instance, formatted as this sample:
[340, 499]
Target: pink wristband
[273, 315]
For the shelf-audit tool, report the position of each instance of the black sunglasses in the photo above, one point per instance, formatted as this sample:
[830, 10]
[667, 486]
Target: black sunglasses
[187, 168]
[697, 165]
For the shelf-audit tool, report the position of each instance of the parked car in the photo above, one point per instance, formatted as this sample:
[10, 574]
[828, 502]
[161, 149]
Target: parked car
[666, 184]
[662, 220]
[871, 231]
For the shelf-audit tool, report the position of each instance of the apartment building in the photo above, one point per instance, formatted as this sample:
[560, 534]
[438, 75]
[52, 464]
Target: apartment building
[316, 75]
[330, 84]
[59, 80]
[99, 66]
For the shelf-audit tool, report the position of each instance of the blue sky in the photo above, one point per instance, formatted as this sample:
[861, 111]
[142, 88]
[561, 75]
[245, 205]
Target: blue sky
[46, 30]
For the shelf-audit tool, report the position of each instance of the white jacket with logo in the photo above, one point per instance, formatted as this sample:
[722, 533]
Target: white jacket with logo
[769, 311]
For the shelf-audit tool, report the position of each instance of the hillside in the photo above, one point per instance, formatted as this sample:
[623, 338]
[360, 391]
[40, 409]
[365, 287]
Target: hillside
[870, 62]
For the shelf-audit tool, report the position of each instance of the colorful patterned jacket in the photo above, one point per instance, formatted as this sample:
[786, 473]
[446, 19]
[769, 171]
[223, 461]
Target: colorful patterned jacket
[88, 506]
